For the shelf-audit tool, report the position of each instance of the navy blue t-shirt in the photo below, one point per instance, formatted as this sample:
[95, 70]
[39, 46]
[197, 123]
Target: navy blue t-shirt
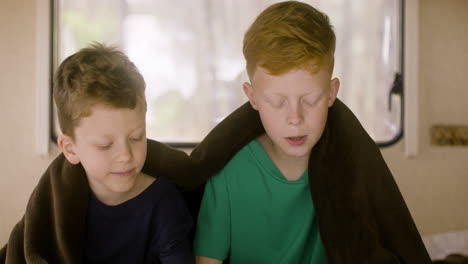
[153, 227]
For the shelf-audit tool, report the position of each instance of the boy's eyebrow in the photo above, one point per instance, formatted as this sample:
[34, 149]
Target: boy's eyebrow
[139, 127]
[100, 137]
[318, 94]
[303, 95]
[106, 136]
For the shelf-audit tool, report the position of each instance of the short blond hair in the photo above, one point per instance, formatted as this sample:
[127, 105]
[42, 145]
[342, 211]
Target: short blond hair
[289, 35]
[95, 74]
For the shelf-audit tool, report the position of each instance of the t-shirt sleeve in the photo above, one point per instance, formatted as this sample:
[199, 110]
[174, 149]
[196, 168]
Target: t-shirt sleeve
[173, 226]
[212, 238]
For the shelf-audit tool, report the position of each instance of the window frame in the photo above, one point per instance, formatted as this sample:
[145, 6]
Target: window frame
[53, 50]
[43, 78]
[400, 134]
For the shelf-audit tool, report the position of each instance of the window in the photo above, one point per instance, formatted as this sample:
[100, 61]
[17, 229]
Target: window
[190, 54]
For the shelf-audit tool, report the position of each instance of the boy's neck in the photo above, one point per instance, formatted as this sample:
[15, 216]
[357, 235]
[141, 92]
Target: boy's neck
[291, 167]
[113, 199]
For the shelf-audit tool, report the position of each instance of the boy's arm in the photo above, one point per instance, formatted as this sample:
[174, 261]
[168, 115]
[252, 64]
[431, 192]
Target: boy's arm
[205, 260]
[181, 253]
[173, 224]
[213, 233]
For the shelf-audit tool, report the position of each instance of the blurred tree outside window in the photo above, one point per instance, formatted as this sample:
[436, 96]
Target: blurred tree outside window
[190, 54]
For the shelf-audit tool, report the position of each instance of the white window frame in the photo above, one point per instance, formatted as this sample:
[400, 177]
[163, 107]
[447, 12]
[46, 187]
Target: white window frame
[45, 134]
[411, 79]
[43, 77]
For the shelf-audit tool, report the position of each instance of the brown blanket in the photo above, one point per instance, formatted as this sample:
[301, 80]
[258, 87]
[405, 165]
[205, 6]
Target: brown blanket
[361, 213]
[453, 259]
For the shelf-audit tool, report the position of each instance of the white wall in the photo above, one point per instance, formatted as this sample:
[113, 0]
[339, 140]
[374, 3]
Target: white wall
[433, 183]
[20, 166]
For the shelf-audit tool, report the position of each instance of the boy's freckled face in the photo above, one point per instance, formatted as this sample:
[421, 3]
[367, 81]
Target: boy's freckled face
[293, 107]
[111, 146]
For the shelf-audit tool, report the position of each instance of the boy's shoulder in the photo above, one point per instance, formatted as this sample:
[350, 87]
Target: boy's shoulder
[247, 162]
[244, 157]
[160, 189]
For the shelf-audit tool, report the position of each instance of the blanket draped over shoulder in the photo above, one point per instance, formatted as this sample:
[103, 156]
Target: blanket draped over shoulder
[361, 213]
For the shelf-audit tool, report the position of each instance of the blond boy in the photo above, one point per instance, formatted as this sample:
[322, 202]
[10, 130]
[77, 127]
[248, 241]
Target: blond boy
[131, 217]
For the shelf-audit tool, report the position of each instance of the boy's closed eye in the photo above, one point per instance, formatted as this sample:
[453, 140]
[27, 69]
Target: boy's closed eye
[138, 138]
[104, 146]
[275, 101]
[279, 102]
[311, 100]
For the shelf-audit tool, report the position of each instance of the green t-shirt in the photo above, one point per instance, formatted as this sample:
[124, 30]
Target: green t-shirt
[250, 213]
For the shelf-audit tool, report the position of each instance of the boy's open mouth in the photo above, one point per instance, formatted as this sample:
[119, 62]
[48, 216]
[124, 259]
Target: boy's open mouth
[296, 141]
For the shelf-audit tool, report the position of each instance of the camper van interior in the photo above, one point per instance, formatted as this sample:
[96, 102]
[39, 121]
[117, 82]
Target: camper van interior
[402, 65]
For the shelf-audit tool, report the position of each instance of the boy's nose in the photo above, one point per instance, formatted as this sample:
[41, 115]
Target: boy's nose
[125, 153]
[295, 116]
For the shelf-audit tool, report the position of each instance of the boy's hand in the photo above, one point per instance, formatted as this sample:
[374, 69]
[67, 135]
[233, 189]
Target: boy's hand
[205, 260]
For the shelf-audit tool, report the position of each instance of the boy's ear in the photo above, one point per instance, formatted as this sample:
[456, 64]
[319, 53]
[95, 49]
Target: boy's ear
[334, 87]
[248, 90]
[67, 146]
